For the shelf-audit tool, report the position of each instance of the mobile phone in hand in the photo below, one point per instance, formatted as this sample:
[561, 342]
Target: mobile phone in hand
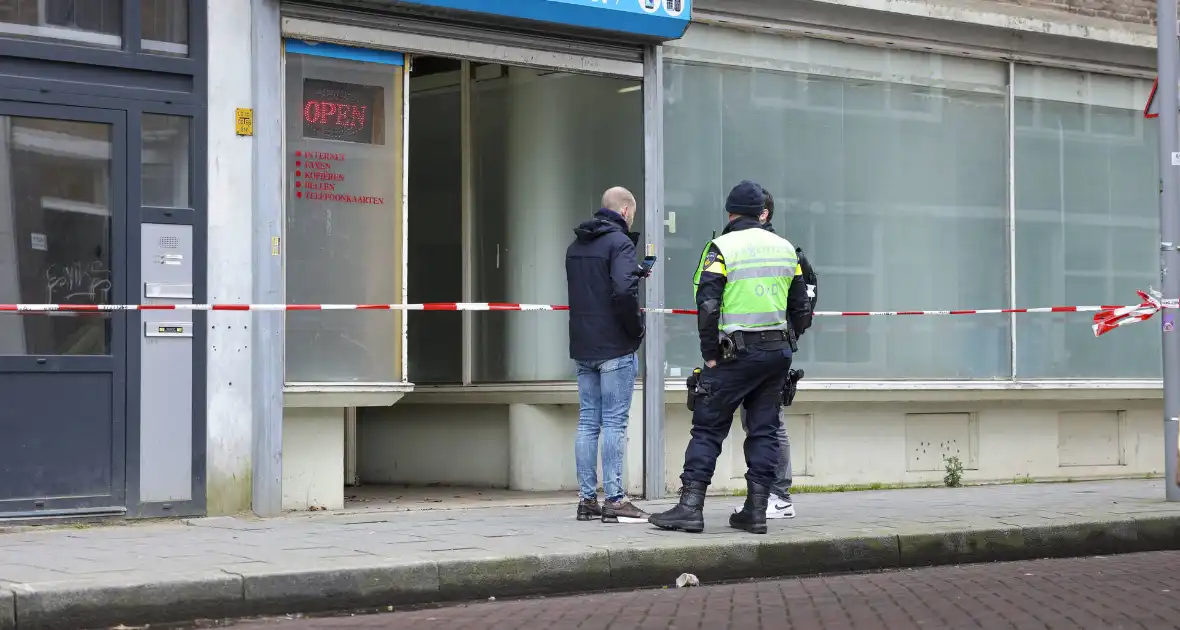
[647, 264]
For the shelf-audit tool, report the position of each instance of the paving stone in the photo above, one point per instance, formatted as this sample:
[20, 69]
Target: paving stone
[23, 574]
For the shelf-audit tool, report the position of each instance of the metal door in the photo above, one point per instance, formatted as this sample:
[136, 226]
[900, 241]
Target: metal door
[63, 193]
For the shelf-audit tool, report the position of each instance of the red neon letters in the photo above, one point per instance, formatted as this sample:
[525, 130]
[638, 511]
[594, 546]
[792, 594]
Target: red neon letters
[335, 114]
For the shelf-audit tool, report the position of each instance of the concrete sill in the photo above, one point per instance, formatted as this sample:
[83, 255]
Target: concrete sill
[534, 393]
[829, 392]
[328, 395]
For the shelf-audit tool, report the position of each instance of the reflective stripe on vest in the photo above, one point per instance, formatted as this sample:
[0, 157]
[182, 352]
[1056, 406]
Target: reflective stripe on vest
[760, 268]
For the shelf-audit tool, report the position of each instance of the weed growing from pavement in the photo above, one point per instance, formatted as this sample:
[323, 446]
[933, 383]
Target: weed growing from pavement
[954, 471]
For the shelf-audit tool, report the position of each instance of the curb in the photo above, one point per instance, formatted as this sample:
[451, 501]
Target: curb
[7, 609]
[217, 595]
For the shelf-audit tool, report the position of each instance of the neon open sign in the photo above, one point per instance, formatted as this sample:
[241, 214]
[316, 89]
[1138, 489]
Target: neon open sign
[342, 111]
[339, 114]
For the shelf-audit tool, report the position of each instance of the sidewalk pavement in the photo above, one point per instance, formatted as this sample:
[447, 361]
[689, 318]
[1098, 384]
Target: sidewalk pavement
[137, 573]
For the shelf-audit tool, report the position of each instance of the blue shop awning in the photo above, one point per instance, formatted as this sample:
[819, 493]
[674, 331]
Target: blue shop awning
[647, 19]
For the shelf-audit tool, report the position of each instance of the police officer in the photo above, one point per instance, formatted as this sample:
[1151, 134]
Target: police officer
[780, 505]
[746, 294]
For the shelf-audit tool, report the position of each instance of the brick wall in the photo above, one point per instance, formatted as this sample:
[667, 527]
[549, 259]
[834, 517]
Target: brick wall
[1136, 11]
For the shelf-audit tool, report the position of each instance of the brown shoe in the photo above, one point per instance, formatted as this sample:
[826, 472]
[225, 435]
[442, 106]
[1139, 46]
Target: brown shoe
[589, 510]
[622, 511]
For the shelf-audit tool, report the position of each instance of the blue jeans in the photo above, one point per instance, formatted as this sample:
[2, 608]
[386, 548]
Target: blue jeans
[604, 400]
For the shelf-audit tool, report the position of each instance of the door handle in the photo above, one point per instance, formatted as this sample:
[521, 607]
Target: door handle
[670, 222]
[42, 361]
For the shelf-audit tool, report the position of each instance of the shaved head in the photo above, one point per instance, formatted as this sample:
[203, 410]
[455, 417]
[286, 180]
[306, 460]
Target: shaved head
[621, 201]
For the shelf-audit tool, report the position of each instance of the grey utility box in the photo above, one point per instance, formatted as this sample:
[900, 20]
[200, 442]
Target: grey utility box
[166, 366]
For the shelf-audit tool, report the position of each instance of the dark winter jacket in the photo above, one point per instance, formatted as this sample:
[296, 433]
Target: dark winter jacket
[812, 281]
[603, 277]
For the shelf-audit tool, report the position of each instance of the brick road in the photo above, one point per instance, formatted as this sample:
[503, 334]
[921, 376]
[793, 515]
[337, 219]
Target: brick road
[1107, 593]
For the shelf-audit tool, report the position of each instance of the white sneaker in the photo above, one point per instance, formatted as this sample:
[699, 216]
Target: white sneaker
[776, 508]
[779, 508]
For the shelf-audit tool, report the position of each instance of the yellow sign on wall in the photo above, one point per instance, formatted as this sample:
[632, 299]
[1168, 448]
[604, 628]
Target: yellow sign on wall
[244, 121]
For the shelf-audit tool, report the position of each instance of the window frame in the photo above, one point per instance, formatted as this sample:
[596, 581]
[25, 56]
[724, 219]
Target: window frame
[129, 55]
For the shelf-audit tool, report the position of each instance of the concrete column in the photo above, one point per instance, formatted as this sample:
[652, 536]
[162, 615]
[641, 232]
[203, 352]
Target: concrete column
[313, 447]
[542, 201]
[269, 343]
[230, 261]
[540, 448]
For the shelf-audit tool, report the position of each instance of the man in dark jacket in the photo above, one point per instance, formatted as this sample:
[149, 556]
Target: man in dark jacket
[606, 328]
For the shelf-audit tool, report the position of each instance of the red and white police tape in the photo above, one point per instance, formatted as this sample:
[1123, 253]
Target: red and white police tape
[1106, 318]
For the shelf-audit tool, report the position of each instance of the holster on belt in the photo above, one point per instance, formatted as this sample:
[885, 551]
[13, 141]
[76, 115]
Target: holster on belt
[693, 383]
[729, 348]
[791, 386]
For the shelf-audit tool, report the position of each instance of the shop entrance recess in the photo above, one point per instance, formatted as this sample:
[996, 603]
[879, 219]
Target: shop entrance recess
[63, 384]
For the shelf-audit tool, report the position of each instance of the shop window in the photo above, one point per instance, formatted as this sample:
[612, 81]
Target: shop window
[547, 145]
[93, 22]
[55, 233]
[165, 161]
[889, 170]
[343, 217]
[164, 26]
[1087, 219]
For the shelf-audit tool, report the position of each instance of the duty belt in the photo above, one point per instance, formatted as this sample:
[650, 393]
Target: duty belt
[744, 338]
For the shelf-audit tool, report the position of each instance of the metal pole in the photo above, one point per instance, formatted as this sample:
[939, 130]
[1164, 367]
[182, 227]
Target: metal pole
[1169, 107]
[653, 224]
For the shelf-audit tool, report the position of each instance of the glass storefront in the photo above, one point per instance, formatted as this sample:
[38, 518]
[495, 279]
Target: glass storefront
[889, 168]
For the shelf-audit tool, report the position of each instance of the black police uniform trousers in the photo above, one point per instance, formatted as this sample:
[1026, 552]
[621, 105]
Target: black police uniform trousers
[755, 381]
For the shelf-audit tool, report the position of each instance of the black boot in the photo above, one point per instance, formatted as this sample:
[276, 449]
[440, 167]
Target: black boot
[752, 518]
[686, 516]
